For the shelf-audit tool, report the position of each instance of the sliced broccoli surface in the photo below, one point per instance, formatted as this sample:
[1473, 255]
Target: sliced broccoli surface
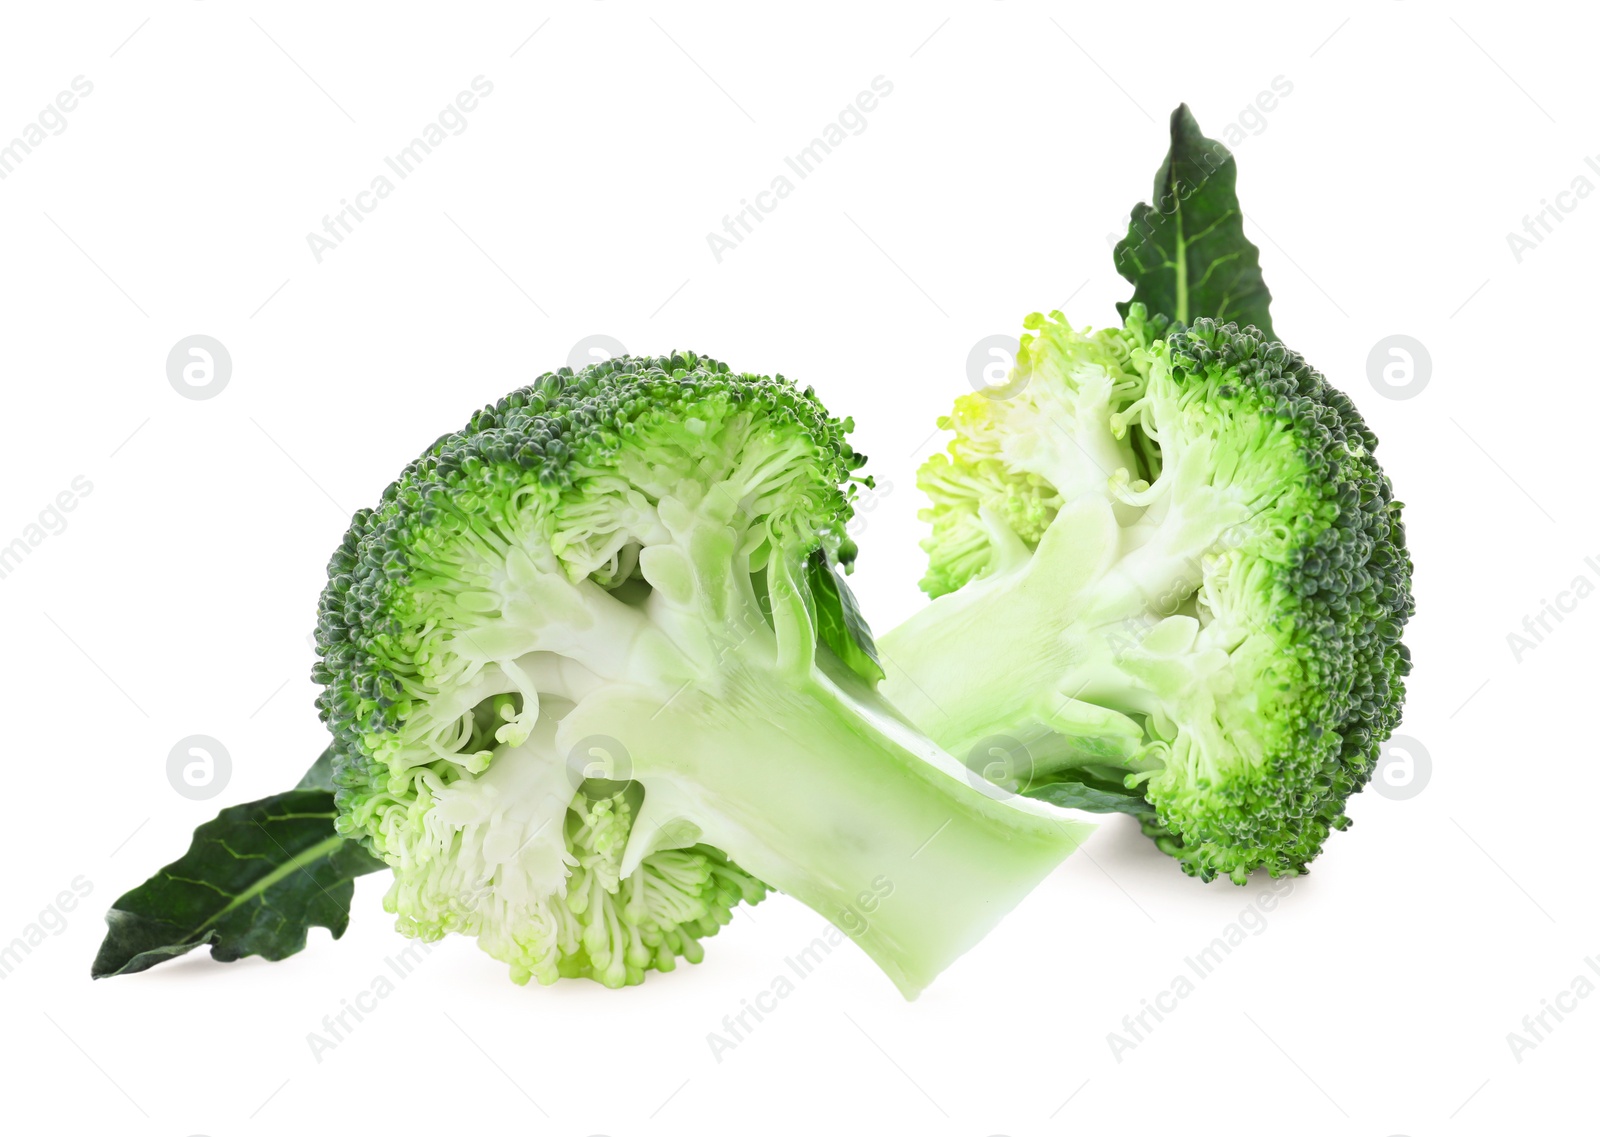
[1166, 561]
[581, 667]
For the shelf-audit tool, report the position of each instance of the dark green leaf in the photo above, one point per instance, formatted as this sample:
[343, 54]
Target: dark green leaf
[1186, 254]
[256, 878]
[320, 776]
[840, 624]
[1093, 794]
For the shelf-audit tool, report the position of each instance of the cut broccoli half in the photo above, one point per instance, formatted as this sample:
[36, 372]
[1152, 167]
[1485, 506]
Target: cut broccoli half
[594, 680]
[1170, 573]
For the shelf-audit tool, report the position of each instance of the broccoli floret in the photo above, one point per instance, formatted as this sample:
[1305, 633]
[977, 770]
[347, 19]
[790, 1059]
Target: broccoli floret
[1169, 571]
[635, 565]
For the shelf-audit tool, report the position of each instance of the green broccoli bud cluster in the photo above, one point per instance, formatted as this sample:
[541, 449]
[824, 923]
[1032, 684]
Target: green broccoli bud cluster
[1206, 573]
[641, 553]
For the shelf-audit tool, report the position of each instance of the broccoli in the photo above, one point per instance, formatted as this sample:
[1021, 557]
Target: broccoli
[1170, 580]
[594, 680]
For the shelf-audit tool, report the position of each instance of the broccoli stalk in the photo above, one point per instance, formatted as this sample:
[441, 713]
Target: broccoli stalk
[594, 681]
[1170, 580]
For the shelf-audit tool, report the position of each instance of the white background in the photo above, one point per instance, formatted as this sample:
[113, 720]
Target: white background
[179, 597]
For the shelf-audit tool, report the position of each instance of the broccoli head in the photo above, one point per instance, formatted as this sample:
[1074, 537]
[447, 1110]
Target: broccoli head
[594, 680]
[1170, 579]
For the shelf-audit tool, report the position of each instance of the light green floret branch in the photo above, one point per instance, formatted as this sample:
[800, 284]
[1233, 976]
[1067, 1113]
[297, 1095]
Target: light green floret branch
[595, 680]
